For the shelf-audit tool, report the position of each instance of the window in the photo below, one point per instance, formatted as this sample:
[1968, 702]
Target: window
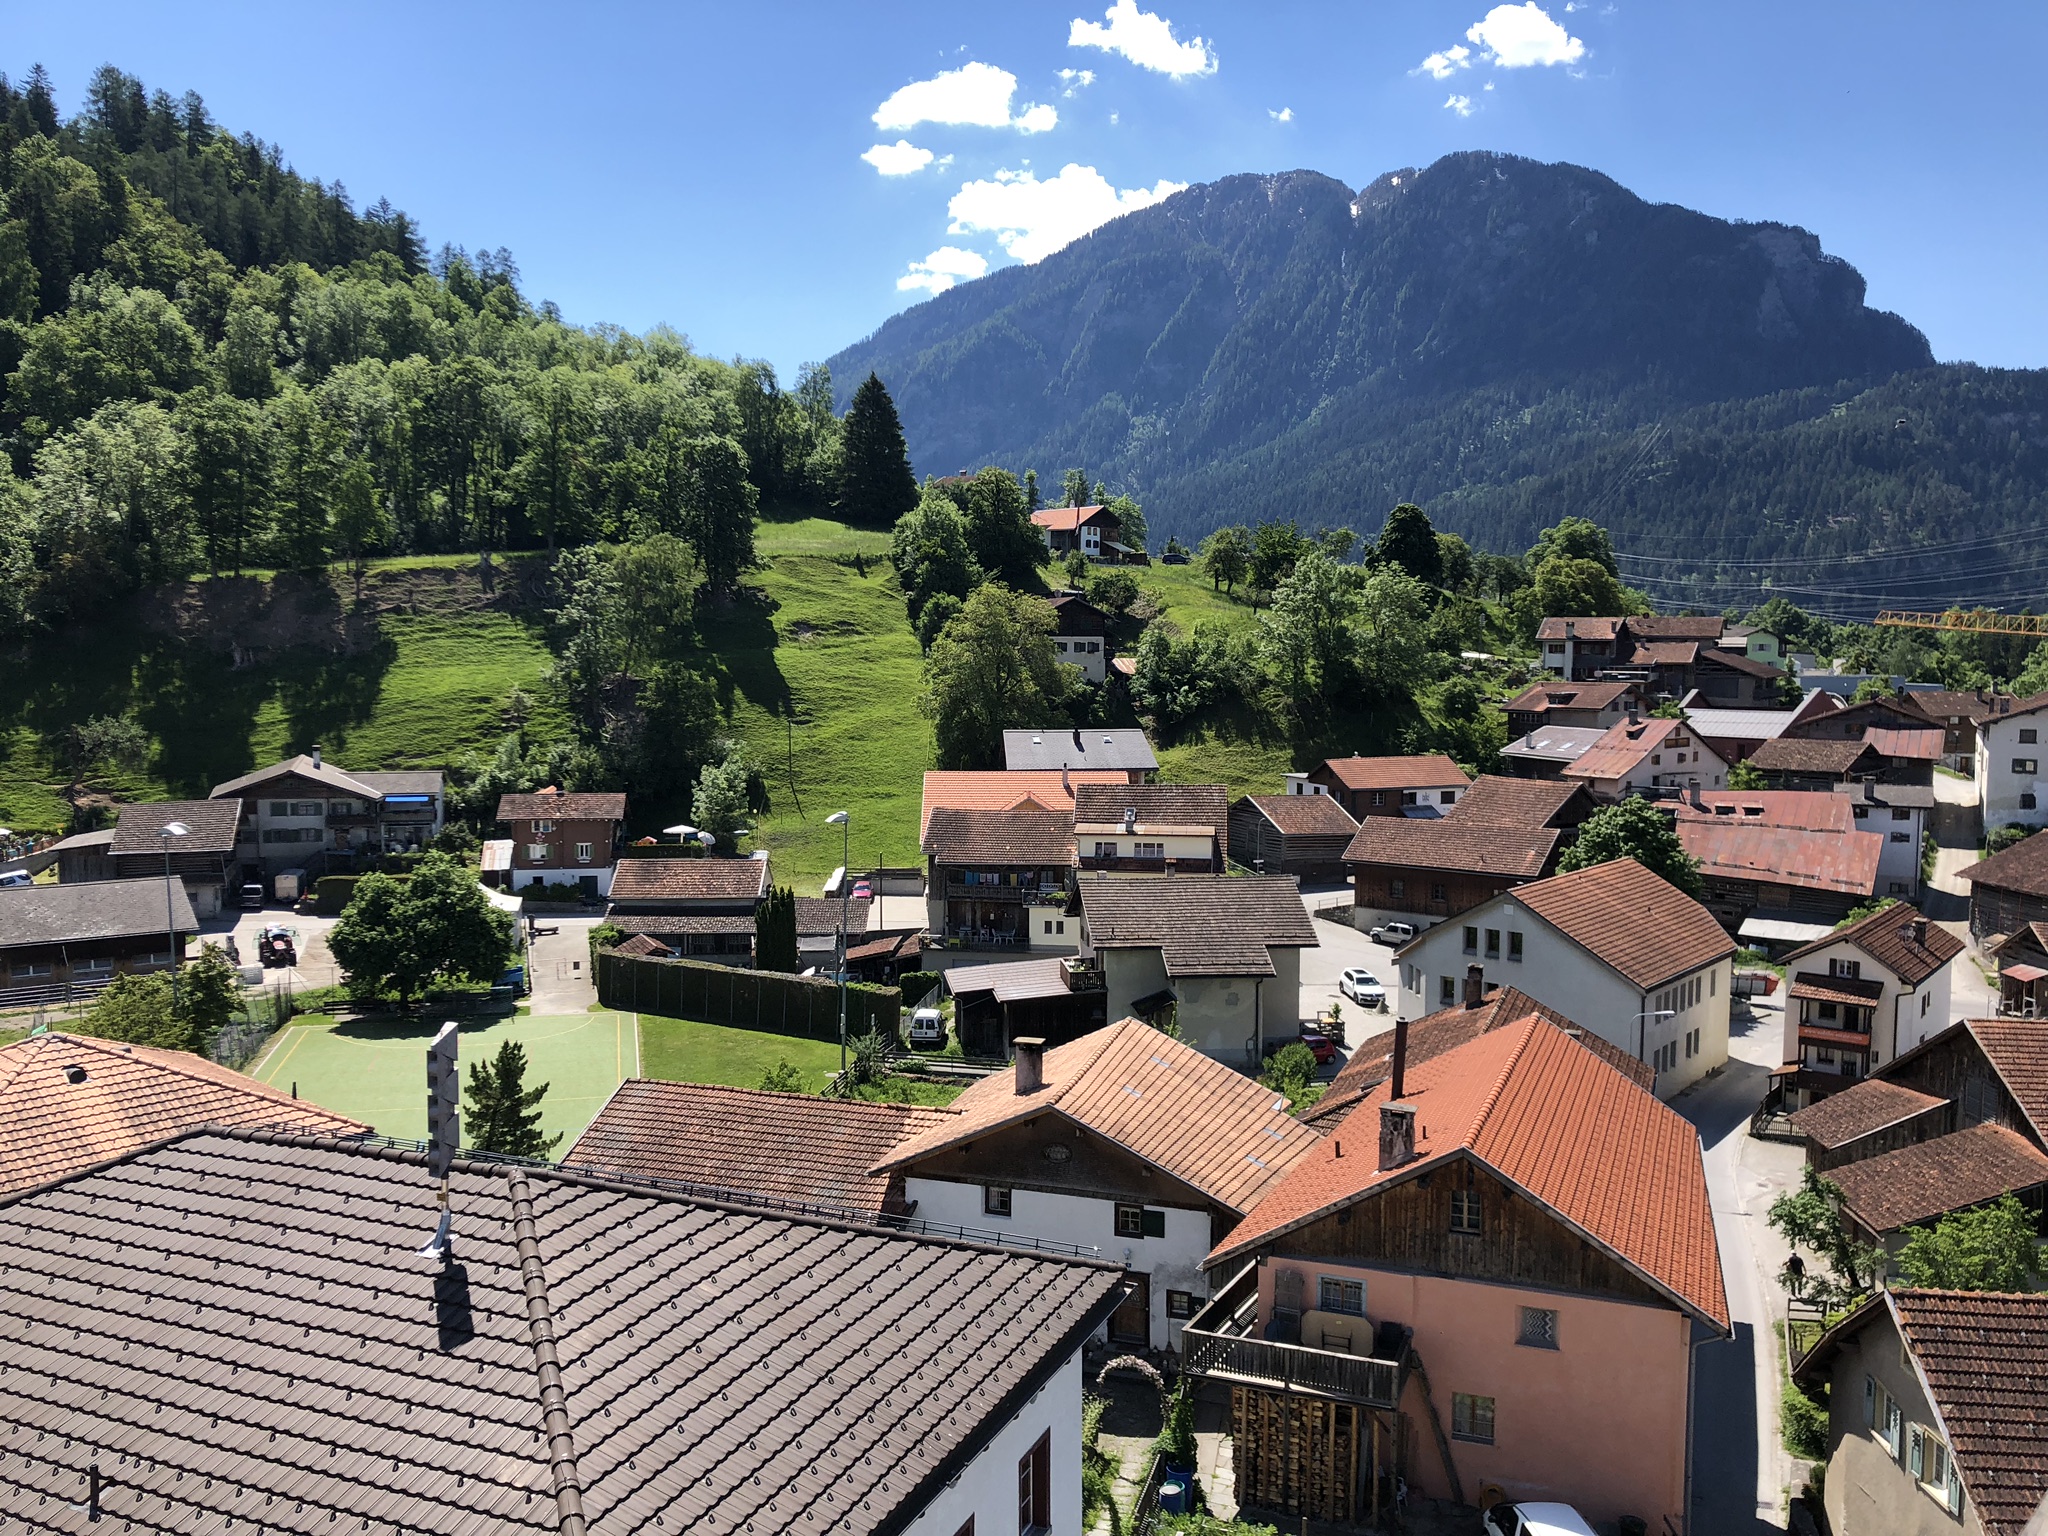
[1379, 797]
[309, 808]
[2026, 765]
[1055, 925]
[542, 828]
[1137, 1221]
[1436, 893]
[1493, 943]
[1898, 888]
[1862, 812]
[1181, 1305]
[1471, 941]
[536, 853]
[1514, 943]
[2027, 802]
[1148, 850]
[1397, 890]
[1446, 990]
[1447, 797]
[1062, 646]
[1900, 813]
[1851, 969]
[24, 969]
[1105, 850]
[1656, 759]
[1465, 1213]
[1925, 999]
[280, 807]
[1902, 837]
[99, 966]
[1407, 797]
[1335, 1295]
[583, 853]
[1034, 1487]
[1883, 1417]
[1934, 1469]
[2029, 736]
[1471, 1418]
[1539, 1328]
[995, 1200]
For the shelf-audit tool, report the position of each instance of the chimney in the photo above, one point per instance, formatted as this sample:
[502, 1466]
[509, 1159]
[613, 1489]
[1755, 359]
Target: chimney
[1400, 1072]
[1571, 630]
[1130, 818]
[1397, 1135]
[1916, 931]
[316, 754]
[1078, 747]
[1475, 988]
[1030, 1063]
[1066, 781]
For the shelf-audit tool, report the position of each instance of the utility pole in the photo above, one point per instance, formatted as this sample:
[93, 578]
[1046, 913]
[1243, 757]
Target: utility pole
[845, 888]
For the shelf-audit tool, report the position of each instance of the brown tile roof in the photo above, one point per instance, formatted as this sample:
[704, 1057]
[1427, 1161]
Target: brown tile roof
[1430, 771]
[1741, 849]
[1796, 754]
[817, 915]
[1003, 790]
[1499, 800]
[1044, 839]
[1815, 987]
[676, 923]
[1372, 1063]
[237, 1329]
[1552, 1118]
[1859, 1110]
[1207, 804]
[2021, 869]
[210, 826]
[1814, 810]
[127, 1097]
[1663, 653]
[1675, 626]
[1206, 1124]
[1582, 629]
[1500, 826]
[640, 944]
[1203, 925]
[785, 1145]
[1940, 704]
[590, 806]
[1625, 746]
[1305, 815]
[1539, 697]
[1888, 937]
[1984, 1356]
[95, 909]
[2018, 1050]
[1737, 661]
[1642, 926]
[1942, 1174]
[690, 879]
[303, 767]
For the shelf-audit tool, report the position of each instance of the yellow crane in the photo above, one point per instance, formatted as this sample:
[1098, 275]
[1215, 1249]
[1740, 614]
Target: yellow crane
[1959, 621]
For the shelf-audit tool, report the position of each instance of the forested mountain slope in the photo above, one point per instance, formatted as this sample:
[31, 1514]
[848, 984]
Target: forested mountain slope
[1504, 341]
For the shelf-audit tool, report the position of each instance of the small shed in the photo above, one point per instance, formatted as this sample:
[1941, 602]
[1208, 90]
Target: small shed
[1301, 835]
[1056, 999]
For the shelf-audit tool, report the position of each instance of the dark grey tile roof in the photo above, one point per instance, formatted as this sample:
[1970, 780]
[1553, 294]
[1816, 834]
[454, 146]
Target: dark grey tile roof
[302, 767]
[1186, 804]
[817, 915]
[97, 909]
[210, 826]
[1203, 925]
[403, 781]
[235, 1327]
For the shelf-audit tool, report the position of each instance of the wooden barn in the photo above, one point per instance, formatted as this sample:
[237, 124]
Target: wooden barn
[1302, 835]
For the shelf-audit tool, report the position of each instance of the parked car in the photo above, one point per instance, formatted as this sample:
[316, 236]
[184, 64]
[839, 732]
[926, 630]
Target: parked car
[1534, 1520]
[927, 1030]
[1324, 1047]
[16, 877]
[863, 890]
[1395, 934]
[252, 898]
[1361, 986]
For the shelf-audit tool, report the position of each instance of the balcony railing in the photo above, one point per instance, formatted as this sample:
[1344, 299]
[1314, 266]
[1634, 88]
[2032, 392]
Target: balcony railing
[1221, 1341]
[1034, 895]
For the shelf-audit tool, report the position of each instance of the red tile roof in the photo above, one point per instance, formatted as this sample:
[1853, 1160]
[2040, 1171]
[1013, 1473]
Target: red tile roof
[1555, 1120]
[127, 1096]
[1430, 771]
[1642, 926]
[1859, 1110]
[1627, 743]
[1204, 1123]
[1046, 789]
[1741, 849]
[1942, 1174]
[1890, 936]
[1305, 815]
[690, 879]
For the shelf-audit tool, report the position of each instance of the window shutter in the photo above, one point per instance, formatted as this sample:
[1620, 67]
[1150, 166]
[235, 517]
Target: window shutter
[1916, 1455]
[1869, 1402]
[1955, 1487]
[1155, 1223]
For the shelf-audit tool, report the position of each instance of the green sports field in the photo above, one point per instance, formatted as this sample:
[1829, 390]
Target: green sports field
[377, 1072]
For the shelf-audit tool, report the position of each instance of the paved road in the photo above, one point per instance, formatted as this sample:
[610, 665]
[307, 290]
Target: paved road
[562, 982]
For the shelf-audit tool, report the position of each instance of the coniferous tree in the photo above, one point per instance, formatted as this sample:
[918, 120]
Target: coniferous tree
[1409, 541]
[775, 932]
[722, 506]
[875, 483]
[503, 1114]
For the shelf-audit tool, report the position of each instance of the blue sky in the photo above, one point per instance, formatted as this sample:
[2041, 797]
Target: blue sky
[703, 166]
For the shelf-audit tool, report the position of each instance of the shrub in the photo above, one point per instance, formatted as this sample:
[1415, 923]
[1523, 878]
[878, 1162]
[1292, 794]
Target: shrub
[916, 985]
[137, 1010]
[867, 1061]
[1805, 1424]
[332, 893]
[2005, 837]
[605, 936]
[782, 1078]
[1291, 1070]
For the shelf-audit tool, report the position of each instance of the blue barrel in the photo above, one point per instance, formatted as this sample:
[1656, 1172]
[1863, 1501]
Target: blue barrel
[1173, 1497]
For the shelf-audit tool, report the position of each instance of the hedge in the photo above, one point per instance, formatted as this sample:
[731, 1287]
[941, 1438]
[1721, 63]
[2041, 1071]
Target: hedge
[770, 1001]
[331, 893]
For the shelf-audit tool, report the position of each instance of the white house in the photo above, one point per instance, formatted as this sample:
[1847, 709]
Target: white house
[1614, 948]
[2011, 787]
[1125, 1141]
[1868, 992]
[1644, 753]
[1220, 955]
[1080, 635]
[1898, 813]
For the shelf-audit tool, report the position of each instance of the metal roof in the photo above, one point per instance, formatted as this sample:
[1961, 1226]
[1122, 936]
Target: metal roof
[1125, 750]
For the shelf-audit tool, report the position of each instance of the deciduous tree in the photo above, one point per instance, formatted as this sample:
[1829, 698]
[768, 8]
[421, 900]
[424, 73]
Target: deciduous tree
[991, 669]
[400, 935]
[1634, 829]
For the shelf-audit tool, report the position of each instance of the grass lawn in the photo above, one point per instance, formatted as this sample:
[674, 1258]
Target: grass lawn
[376, 1071]
[686, 1051]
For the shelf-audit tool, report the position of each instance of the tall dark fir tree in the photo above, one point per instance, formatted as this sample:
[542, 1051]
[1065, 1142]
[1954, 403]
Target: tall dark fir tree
[875, 483]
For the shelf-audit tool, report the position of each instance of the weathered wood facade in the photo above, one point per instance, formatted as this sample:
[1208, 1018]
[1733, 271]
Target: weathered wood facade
[1953, 1066]
[1993, 910]
[1935, 1120]
[1438, 893]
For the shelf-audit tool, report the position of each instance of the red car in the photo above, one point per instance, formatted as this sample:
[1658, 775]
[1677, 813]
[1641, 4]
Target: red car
[863, 891]
[1322, 1045]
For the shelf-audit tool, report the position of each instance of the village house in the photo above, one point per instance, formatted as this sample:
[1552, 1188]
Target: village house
[1123, 1140]
[1220, 956]
[1548, 750]
[1080, 635]
[304, 812]
[1091, 750]
[2011, 788]
[1505, 832]
[1000, 879]
[701, 908]
[1868, 992]
[1937, 1413]
[1642, 755]
[1439, 1292]
[232, 1295]
[1151, 829]
[1666, 658]
[1093, 530]
[2009, 890]
[1390, 786]
[1887, 1196]
[2022, 957]
[1733, 735]
[1040, 789]
[72, 1102]
[203, 855]
[1578, 705]
[1055, 999]
[564, 839]
[1614, 948]
[1300, 835]
[58, 942]
[1957, 713]
[1780, 867]
[741, 1142]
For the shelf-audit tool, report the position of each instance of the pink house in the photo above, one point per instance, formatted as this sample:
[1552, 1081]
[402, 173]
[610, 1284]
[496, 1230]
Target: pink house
[1492, 1274]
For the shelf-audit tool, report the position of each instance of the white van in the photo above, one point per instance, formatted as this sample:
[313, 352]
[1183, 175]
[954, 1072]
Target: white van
[927, 1030]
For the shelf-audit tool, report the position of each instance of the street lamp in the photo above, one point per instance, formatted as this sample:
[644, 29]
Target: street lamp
[168, 831]
[1643, 1028]
[840, 820]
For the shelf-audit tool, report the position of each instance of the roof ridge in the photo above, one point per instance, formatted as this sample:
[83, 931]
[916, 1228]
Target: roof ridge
[540, 1330]
[1500, 1082]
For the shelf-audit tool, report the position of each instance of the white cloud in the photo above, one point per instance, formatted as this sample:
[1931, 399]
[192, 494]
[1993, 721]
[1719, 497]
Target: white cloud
[1517, 36]
[974, 95]
[1031, 218]
[1462, 105]
[902, 158]
[1076, 80]
[1441, 66]
[1284, 115]
[1146, 39]
[942, 269]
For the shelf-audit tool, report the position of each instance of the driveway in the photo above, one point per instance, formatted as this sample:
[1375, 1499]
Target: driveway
[562, 982]
[1343, 947]
[315, 967]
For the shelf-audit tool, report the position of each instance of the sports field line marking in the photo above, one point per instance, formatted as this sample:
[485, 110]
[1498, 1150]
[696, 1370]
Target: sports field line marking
[419, 1042]
[299, 1034]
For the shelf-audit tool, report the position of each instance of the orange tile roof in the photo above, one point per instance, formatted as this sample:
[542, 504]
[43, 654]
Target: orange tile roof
[1065, 519]
[1643, 926]
[1740, 849]
[1027, 789]
[1626, 743]
[1552, 1118]
[1209, 1126]
[130, 1096]
[1429, 771]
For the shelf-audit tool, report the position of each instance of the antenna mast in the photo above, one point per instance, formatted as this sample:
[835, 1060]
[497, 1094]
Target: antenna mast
[444, 1126]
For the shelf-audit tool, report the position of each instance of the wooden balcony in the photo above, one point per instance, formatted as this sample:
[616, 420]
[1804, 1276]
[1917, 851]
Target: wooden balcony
[1222, 1342]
